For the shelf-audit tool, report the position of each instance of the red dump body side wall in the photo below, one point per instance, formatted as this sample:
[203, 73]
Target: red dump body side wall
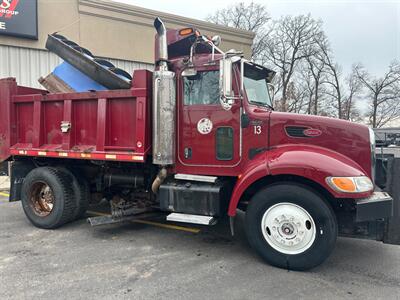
[106, 125]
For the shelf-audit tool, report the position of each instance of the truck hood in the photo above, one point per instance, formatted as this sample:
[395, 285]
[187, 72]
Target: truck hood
[349, 139]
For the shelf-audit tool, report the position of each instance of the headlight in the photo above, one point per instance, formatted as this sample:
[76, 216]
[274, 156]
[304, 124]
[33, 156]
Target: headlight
[360, 184]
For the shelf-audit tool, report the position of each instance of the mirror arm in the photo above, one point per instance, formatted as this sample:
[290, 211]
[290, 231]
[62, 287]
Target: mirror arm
[242, 77]
[192, 53]
[272, 87]
[213, 46]
[232, 97]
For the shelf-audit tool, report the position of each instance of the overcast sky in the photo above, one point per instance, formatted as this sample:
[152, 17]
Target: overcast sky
[366, 31]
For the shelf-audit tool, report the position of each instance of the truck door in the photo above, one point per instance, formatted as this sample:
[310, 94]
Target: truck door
[208, 134]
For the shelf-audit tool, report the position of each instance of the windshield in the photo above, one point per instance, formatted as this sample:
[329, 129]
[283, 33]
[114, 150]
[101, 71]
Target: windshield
[255, 84]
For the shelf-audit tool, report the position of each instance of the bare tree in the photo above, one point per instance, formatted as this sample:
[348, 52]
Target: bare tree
[383, 93]
[297, 96]
[318, 102]
[316, 68]
[252, 17]
[354, 88]
[308, 78]
[333, 80]
[291, 40]
[306, 83]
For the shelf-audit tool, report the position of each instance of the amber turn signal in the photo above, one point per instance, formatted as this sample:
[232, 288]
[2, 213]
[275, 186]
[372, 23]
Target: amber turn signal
[359, 184]
[344, 184]
[186, 31]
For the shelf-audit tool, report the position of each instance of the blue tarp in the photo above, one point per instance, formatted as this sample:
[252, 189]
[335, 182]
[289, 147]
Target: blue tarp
[76, 79]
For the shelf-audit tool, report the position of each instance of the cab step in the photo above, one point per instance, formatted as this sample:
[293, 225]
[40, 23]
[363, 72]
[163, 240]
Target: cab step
[194, 219]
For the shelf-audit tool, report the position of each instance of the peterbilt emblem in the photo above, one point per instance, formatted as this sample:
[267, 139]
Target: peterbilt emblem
[204, 126]
[312, 132]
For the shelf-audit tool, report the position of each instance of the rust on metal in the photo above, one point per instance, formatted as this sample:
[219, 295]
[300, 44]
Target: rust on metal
[41, 199]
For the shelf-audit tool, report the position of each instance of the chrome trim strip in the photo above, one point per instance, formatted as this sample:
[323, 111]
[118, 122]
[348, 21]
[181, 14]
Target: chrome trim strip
[201, 178]
[194, 219]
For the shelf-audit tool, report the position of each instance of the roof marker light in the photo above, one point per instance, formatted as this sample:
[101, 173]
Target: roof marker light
[186, 31]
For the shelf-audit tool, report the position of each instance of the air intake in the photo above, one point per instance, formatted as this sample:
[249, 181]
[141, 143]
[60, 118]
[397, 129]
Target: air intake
[296, 131]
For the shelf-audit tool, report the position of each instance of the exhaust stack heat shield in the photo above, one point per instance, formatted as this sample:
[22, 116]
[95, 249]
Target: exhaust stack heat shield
[164, 118]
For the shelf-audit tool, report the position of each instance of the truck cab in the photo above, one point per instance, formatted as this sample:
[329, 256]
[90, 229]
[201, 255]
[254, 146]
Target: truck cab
[278, 164]
[199, 140]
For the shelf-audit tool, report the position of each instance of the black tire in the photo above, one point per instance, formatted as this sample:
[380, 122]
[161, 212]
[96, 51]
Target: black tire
[322, 214]
[81, 190]
[59, 184]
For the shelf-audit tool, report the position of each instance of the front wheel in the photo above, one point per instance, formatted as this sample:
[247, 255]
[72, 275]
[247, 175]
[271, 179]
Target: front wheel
[290, 226]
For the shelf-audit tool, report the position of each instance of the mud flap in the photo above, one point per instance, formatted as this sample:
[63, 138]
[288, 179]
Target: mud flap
[4, 168]
[392, 186]
[19, 169]
[371, 230]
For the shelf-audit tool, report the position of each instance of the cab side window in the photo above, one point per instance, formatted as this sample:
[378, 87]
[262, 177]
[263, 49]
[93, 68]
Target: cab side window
[202, 88]
[224, 143]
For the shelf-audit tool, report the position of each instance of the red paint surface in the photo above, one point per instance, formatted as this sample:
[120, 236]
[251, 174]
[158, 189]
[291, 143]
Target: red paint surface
[116, 122]
[106, 125]
[333, 147]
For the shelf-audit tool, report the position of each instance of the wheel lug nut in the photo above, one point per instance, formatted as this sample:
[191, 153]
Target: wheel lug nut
[273, 228]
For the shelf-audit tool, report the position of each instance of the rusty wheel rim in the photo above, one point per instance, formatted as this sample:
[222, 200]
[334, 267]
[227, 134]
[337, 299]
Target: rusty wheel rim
[41, 199]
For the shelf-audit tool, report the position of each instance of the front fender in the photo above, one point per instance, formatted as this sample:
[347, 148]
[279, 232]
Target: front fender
[311, 162]
[254, 170]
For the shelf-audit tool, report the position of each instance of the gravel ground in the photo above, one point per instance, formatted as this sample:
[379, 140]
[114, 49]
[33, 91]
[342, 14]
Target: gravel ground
[139, 261]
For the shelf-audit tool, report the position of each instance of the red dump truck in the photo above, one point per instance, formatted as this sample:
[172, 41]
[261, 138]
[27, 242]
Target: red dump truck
[198, 139]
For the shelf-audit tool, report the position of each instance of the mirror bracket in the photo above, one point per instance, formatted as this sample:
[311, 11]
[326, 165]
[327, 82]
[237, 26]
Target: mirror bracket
[272, 92]
[189, 72]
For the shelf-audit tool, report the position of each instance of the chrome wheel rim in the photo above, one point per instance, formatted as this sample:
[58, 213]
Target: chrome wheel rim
[288, 228]
[41, 199]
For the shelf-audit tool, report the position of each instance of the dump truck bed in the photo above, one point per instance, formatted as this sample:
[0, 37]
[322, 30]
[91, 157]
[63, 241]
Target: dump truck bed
[103, 125]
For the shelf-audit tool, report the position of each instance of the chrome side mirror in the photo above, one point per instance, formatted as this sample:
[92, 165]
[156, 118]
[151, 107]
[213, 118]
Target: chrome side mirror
[216, 39]
[271, 90]
[225, 83]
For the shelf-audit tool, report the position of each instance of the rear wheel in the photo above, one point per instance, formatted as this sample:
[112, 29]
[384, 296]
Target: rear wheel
[81, 190]
[47, 197]
[290, 226]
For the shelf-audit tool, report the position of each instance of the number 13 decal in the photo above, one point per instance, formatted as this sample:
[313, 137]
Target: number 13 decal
[257, 129]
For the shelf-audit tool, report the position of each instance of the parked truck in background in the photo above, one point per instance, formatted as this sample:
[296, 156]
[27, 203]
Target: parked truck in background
[197, 138]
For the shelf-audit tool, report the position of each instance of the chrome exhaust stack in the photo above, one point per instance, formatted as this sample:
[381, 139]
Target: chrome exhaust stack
[164, 104]
[162, 42]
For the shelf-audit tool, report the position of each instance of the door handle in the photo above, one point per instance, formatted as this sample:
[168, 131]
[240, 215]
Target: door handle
[188, 153]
